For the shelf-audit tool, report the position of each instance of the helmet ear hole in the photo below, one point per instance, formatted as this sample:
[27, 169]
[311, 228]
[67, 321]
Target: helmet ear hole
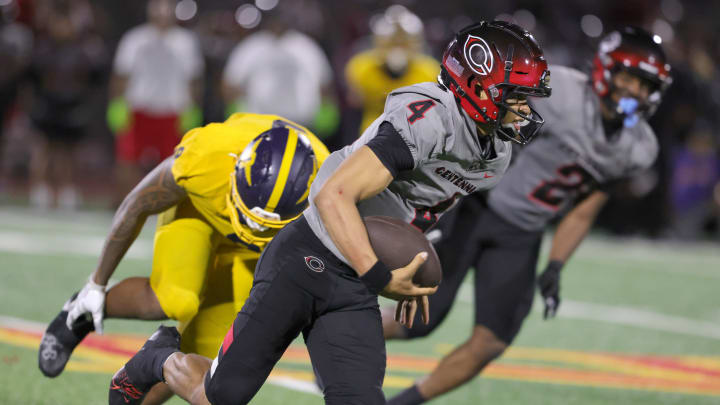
[479, 91]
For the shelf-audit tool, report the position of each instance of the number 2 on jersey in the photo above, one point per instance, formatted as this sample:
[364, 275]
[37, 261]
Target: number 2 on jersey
[571, 179]
[418, 109]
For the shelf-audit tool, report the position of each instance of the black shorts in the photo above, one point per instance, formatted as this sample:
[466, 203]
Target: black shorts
[505, 259]
[300, 286]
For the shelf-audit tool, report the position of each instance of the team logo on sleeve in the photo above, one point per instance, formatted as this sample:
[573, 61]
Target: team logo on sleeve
[314, 264]
[478, 55]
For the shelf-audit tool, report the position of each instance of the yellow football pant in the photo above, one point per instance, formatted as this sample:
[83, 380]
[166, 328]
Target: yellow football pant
[200, 278]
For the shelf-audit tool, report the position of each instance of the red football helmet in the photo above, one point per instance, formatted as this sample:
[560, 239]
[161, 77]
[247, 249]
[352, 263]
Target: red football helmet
[488, 63]
[638, 52]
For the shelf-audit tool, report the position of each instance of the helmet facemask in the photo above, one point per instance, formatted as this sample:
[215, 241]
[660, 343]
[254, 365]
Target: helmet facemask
[263, 226]
[629, 108]
[638, 53]
[524, 131]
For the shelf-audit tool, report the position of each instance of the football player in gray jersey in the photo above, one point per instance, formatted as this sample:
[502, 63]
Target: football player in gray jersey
[595, 133]
[434, 143]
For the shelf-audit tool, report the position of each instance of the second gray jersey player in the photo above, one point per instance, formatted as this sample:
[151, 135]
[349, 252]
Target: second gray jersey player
[572, 156]
[446, 154]
[595, 132]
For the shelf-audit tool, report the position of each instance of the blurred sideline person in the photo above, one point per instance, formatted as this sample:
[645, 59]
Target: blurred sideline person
[695, 185]
[283, 71]
[434, 143]
[16, 44]
[16, 47]
[395, 60]
[68, 63]
[595, 134]
[154, 92]
[221, 197]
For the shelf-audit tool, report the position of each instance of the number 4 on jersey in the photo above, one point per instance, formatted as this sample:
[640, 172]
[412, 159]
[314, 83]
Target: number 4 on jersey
[418, 109]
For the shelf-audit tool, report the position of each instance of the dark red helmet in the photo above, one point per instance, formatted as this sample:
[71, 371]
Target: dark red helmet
[488, 63]
[634, 50]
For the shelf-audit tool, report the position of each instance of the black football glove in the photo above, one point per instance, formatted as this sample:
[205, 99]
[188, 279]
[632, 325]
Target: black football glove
[549, 284]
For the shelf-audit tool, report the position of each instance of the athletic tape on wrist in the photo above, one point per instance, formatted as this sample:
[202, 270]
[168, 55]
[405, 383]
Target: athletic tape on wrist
[377, 277]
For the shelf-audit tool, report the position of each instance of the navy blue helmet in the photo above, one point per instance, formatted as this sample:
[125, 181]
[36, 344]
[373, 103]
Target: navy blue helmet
[271, 182]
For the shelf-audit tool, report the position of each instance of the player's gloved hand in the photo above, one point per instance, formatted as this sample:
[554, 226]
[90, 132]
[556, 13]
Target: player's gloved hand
[118, 115]
[91, 299]
[191, 118]
[327, 119]
[549, 284]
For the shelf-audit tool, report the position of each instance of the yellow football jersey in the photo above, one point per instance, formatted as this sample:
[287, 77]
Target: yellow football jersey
[206, 156]
[369, 79]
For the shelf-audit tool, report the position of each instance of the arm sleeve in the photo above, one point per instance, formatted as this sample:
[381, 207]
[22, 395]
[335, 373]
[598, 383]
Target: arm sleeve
[391, 149]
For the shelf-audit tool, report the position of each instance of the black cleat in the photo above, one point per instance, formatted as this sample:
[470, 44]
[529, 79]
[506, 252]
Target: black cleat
[130, 384]
[58, 342]
[123, 391]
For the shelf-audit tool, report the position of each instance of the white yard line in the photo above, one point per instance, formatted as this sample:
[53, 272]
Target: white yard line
[22, 324]
[295, 384]
[58, 244]
[79, 221]
[620, 315]
[638, 318]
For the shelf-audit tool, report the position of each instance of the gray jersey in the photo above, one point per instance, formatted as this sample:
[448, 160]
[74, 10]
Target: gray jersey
[446, 154]
[570, 157]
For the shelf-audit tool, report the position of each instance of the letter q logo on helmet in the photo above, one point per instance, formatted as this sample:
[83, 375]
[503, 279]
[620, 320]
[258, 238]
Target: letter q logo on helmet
[478, 55]
[271, 182]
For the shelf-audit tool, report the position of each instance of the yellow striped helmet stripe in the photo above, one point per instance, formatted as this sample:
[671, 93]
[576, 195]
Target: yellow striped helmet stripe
[310, 180]
[284, 173]
[248, 163]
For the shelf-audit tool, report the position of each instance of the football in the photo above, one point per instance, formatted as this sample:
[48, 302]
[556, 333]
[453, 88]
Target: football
[396, 243]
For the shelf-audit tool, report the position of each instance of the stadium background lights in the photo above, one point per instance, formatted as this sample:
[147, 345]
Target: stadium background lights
[5, 2]
[663, 29]
[248, 16]
[525, 19]
[383, 24]
[266, 5]
[591, 25]
[672, 10]
[185, 10]
[504, 17]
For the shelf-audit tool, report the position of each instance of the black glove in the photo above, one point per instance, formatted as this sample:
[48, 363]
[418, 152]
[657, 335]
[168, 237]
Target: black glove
[549, 284]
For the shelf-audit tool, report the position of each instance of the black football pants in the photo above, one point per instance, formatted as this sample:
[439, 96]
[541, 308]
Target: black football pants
[300, 286]
[504, 257]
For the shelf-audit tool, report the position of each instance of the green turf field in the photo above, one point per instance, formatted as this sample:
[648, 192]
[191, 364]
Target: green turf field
[639, 324]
